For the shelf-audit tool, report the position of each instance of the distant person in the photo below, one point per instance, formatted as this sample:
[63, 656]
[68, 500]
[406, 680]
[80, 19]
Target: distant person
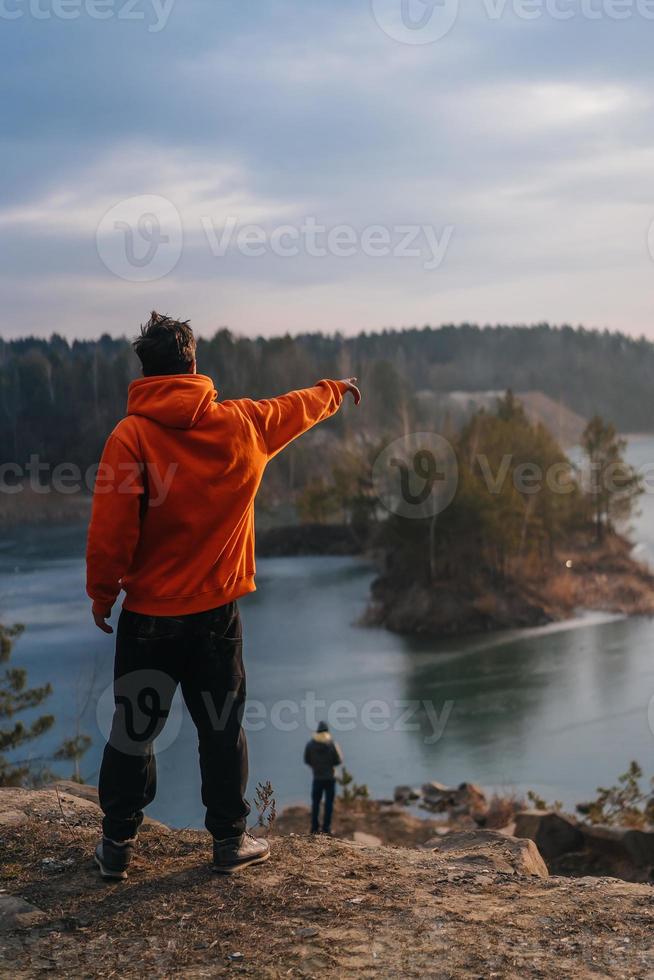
[323, 755]
[173, 526]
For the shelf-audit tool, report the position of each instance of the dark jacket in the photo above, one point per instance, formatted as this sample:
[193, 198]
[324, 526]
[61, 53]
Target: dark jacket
[322, 754]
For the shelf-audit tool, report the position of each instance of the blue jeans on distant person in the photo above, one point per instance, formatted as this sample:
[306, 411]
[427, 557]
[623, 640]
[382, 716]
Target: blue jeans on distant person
[328, 787]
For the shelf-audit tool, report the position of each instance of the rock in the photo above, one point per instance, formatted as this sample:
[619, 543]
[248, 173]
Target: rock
[369, 840]
[16, 912]
[56, 807]
[466, 798]
[84, 792]
[487, 849]
[151, 825]
[620, 843]
[13, 818]
[306, 933]
[552, 833]
[436, 790]
[620, 851]
[436, 839]
[52, 864]
[404, 794]
[640, 844]
[60, 803]
[81, 790]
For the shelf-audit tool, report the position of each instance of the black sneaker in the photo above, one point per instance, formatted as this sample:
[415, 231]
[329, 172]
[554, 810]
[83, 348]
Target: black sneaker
[113, 857]
[233, 853]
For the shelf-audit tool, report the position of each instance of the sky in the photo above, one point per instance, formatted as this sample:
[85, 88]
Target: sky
[280, 165]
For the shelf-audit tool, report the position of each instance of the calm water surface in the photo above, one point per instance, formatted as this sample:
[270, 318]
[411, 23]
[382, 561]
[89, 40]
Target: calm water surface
[561, 709]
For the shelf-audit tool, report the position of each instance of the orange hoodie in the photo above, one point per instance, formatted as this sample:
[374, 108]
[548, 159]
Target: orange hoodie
[173, 506]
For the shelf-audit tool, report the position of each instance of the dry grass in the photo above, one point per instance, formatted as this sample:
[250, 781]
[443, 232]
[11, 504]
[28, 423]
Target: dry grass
[502, 810]
[318, 908]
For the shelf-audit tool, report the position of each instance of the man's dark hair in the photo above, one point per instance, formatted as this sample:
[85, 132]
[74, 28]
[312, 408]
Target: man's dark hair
[165, 346]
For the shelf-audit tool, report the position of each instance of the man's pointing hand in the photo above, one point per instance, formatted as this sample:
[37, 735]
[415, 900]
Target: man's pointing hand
[351, 387]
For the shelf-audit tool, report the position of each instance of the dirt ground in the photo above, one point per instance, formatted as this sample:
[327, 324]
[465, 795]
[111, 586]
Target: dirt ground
[320, 907]
[393, 824]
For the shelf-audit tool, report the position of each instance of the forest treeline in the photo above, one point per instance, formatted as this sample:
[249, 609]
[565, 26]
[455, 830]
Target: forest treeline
[59, 399]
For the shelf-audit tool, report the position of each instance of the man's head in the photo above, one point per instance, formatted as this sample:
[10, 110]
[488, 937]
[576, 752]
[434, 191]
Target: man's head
[165, 346]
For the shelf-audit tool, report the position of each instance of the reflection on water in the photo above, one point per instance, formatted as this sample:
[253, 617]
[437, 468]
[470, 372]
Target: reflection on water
[562, 712]
[561, 709]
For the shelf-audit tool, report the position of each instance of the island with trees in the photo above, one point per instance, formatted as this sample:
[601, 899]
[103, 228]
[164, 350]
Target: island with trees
[529, 537]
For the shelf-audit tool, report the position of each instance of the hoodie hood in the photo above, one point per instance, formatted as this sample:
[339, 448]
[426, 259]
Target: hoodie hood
[321, 737]
[177, 401]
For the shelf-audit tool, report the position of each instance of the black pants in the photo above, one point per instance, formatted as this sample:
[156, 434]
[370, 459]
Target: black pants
[203, 653]
[328, 787]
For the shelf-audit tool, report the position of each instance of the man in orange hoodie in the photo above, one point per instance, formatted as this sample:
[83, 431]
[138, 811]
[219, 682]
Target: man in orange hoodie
[173, 526]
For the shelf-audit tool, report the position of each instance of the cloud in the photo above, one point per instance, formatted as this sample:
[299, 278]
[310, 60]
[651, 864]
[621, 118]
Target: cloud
[531, 138]
[75, 203]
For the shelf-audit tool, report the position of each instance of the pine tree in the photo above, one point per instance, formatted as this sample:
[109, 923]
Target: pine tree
[16, 697]
[614, 485]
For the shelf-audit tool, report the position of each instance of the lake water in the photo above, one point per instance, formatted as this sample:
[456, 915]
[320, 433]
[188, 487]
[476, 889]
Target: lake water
[560, 709]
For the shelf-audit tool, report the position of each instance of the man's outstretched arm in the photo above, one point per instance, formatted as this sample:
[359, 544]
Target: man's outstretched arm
[280, 420]
[114, 528]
